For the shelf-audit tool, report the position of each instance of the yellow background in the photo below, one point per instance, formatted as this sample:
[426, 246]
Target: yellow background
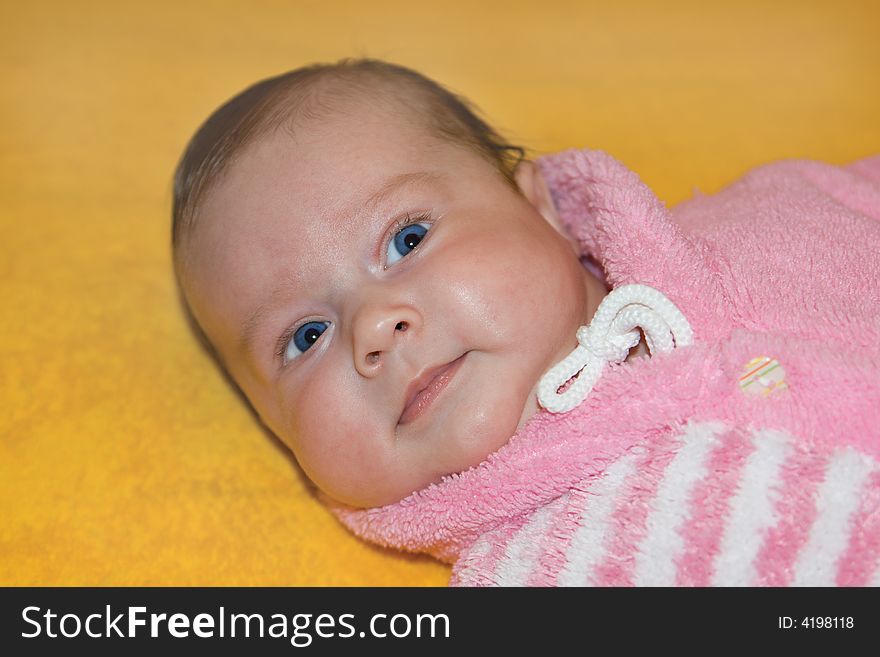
[125, 458]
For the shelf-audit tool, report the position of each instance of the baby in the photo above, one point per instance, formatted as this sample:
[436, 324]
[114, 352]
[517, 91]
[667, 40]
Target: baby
[394, 288]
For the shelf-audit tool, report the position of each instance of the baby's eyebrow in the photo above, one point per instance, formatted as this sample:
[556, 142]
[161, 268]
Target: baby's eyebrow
[396, 182]
[393, 184]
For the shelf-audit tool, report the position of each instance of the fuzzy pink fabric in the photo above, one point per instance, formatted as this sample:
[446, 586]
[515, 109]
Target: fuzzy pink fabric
[669, 472]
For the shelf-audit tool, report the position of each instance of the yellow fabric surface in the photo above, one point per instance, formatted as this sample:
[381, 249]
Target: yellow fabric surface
[125, 458]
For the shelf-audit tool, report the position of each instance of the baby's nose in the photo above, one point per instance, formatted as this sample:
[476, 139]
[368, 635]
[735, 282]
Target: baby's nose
[378, 332]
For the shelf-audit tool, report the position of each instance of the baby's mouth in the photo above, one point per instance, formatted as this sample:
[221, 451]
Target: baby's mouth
[425, 388]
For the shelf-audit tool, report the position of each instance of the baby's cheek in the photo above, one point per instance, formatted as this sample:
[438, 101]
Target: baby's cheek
[329, 427]
[492, 289]
[314, 418]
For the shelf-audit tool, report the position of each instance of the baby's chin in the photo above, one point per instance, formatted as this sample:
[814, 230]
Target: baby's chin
[503, 418]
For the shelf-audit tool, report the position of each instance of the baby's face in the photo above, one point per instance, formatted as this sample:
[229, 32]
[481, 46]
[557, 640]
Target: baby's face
[334, 320]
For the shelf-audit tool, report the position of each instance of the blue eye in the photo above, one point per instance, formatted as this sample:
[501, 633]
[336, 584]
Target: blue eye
[404, 241]
[304, 337]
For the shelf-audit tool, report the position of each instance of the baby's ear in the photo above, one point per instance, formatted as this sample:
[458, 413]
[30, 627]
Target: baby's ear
[531, 184]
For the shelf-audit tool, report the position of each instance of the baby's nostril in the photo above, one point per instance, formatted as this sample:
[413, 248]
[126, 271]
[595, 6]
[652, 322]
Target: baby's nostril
[372, 357]
[401, 326]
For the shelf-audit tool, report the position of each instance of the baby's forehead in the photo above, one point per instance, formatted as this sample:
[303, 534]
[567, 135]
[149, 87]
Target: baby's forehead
[329, 175]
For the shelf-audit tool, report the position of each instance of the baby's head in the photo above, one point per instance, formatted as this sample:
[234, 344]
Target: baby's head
[381, 276]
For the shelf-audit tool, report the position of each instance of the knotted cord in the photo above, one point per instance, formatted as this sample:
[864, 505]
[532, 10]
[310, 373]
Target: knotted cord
[610, 335]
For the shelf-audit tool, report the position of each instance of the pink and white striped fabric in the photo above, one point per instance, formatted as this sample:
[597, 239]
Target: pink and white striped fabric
[673, 472]
[710, 507]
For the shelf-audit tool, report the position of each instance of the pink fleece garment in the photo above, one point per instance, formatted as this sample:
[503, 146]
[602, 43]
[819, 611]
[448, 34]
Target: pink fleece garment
[669, 472]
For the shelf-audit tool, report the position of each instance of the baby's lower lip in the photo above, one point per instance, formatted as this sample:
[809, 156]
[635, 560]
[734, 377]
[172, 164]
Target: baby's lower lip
[427, 396]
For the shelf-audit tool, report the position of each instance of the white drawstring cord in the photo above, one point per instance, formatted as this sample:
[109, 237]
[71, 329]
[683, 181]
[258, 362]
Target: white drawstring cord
[609, 337]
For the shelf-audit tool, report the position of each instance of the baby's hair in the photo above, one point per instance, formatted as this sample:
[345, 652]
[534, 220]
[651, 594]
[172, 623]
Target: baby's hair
[310, 92]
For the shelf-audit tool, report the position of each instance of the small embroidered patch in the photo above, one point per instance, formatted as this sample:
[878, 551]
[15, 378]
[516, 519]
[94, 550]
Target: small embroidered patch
[762, 376]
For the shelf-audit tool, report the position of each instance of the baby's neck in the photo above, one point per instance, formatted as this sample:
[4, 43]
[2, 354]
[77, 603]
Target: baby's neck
[639, 351]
